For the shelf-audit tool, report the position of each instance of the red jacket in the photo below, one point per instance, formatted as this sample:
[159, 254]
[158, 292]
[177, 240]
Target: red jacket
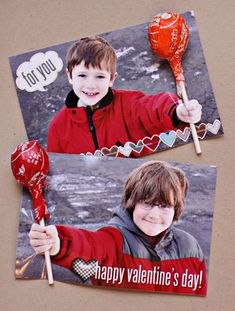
[123, 116]
[122, 257]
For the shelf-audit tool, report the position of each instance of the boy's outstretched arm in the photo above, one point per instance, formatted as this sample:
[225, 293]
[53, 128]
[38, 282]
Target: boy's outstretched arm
[159, 113]
[44, 238]
[67, 244]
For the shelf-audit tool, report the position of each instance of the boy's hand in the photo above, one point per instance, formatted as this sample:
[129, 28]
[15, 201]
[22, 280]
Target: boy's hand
[190, 115]
[44, 238]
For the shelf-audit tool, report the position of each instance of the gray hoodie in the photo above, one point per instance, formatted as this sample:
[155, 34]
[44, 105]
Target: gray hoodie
[174, 243]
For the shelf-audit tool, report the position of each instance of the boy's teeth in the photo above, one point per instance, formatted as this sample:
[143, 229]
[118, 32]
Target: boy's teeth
[90, 93]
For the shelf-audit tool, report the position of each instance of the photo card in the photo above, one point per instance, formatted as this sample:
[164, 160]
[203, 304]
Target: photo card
[97, 107]
[122, 223]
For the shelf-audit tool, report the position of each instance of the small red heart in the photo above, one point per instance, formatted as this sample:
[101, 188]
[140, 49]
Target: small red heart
[112, 152]
[201, 130]
[152, 143]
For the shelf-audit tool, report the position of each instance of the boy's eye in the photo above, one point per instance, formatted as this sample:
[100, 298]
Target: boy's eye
[81, 75]
[147, 205]
[165, 206]
[100, 77]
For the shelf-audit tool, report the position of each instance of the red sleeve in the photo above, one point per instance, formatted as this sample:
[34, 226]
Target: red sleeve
[154, 112]
[103, 245]
[53, 139]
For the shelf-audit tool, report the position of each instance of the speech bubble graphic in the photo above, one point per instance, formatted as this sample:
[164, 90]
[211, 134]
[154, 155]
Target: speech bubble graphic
[41, 70]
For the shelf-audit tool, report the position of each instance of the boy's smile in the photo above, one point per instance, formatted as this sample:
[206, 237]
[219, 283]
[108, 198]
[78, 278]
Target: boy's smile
[91, 93]
[153, 220]
[90, 84]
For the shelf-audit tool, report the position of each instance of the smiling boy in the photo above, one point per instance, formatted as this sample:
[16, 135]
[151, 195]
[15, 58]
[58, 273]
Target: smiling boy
[153, 219]
[96, 116]
[90, 84]
[140, 236]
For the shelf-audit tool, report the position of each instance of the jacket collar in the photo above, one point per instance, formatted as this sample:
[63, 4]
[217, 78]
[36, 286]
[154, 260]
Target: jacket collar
[72, 100]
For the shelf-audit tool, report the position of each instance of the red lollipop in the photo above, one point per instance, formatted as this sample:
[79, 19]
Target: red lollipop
[30, 165]
[168, 36]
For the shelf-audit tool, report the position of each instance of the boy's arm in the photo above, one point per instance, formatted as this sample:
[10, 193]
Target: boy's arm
[102, 245]
[158, 113]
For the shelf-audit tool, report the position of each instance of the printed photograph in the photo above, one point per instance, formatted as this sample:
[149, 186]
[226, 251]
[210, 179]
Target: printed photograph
[121, 223]
[119, 93]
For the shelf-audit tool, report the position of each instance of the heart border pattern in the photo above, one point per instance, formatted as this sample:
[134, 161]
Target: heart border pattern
[166, 138]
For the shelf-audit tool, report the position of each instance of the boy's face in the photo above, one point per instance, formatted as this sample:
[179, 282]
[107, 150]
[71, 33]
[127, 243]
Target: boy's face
[153, 220]
[90, 84]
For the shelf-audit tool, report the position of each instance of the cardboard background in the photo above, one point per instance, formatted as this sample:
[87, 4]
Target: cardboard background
[31, 25]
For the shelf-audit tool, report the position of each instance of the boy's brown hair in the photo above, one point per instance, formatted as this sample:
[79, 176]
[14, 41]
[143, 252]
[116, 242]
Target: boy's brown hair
[156, 182]
[93, 51]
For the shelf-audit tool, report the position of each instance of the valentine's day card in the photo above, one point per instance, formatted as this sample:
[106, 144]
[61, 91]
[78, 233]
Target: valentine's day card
[124, 106]
[122, 223]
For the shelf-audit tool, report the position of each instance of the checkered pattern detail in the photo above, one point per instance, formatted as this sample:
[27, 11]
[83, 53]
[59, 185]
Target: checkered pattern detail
[84, 269]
